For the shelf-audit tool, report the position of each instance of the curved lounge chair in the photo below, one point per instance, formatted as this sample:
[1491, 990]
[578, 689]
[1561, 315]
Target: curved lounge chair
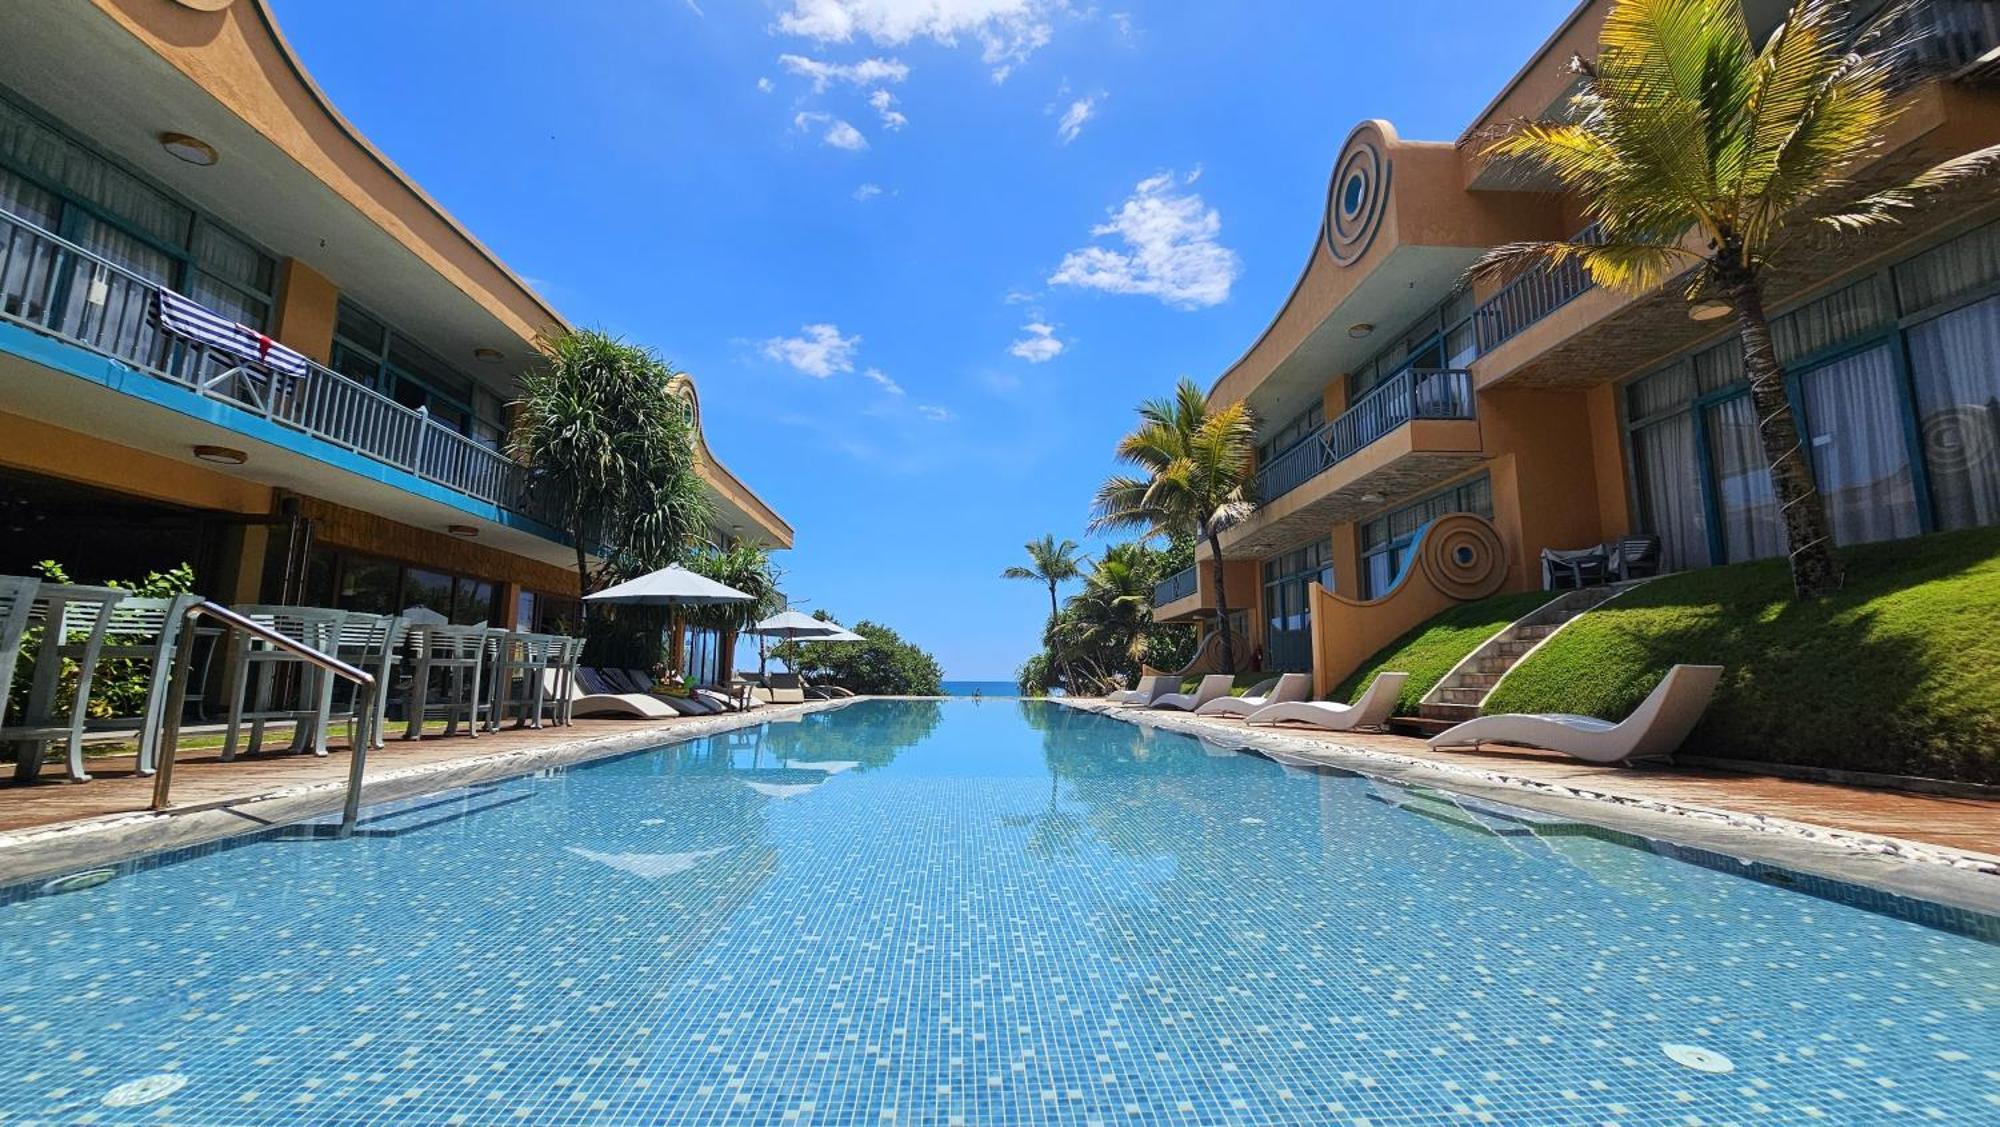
[1654, 730]
[1290, 687]
[1150, 687]
[1371, 711]
[1212, 686]
[636, 706]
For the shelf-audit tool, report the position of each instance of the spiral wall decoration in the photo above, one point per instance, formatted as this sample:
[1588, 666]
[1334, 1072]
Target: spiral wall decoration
[1357, 195]
[1462, 556]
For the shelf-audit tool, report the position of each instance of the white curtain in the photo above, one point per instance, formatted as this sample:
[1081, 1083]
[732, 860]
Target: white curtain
[1860, 452]
[1956, 361]
[1752, 528]
[1670, 490]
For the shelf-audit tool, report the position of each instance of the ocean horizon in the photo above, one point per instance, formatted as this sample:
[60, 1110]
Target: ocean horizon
[981, 689]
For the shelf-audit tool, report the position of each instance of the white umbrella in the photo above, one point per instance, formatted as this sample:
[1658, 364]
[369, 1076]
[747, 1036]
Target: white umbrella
[670, 585]
[837, 636]
[796, 626]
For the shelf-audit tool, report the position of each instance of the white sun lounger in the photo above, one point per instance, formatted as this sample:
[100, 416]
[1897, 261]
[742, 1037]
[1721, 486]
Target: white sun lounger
[635, 706]
[1212, 686]
[1290, 687]
[1654, 730]
[1149, 688]
[1371, 711]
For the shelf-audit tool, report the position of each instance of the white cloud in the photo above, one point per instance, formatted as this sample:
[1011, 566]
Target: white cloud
[819, 351]
[1008, 31]
[1171, 248]
[1073, 118]
[883, 381]
[1040, 345]
[867, 192]
[934, 413]
[765, 85]
[867, 72]
[885, 104]
[838, 133]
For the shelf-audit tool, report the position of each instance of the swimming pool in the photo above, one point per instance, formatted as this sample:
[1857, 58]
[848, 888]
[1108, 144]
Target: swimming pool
[976, 912]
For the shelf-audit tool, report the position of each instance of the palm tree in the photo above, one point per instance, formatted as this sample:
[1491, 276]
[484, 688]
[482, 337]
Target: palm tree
[1104, 627]
[1199, 478]
[1694, 151]
[609, 447]
[1054, 564]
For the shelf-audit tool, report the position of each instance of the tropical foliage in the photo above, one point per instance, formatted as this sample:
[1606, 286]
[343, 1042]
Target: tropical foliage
[1697, 153]
[608, 446]
[1105, 633]
[120, 684]
[1196, 478]
[1051, 563]
[883, 665]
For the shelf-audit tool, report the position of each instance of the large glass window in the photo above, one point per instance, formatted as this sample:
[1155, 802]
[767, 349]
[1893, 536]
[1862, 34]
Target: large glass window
[1388, 540]
[1288, 581]
[1296, 430]
[1669, 480]
[1855, 427]
[1955, 361]
[352, 581]
[1747, 506]
[368, 351]
[66, 188]
[1444, 337]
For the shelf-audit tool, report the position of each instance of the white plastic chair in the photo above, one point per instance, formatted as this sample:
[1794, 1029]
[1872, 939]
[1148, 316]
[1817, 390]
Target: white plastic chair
[1371, 711]
[1290, 687]
[1213, 687]
[73, 621]
[1655, 730]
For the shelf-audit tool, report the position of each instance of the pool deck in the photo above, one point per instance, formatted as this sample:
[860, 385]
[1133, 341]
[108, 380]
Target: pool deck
[1937, 847]
[57, 826]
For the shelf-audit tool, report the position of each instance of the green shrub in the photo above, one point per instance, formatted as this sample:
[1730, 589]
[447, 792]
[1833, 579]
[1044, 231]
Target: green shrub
[1430, 651]
[119, 686]
[1898, 673]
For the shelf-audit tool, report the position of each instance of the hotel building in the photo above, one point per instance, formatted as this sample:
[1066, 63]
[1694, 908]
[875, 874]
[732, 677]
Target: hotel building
[345, 446]
[1422, 440]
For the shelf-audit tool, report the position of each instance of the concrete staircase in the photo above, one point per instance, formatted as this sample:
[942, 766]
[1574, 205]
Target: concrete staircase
[1458, 696]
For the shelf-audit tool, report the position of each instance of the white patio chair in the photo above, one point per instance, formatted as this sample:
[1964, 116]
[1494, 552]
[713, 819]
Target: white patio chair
[515, 678]
[73, 621]
[455, 657]
[373, 643]
[144, 629]
[17, 599]
[268, 684]
[1213, 687]
[1290, 687]
[1150, 687]
[1371, 711]
[1655, 730]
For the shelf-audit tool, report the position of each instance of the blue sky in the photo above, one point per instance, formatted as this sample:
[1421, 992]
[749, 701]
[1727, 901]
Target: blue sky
[922, 256]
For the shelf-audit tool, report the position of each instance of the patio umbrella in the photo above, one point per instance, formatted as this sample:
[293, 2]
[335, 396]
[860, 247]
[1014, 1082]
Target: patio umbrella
[669, 586]
[792, 626]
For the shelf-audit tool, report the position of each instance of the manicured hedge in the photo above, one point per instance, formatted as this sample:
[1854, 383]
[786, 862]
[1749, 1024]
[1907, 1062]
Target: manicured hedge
[1898, 673]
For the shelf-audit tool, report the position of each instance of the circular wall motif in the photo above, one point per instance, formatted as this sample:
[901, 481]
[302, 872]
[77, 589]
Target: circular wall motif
[1463, 557]
[1961, 440]
[1358, 194]
[205, 5]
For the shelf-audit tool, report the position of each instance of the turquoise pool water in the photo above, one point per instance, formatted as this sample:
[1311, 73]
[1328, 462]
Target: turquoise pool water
[976, 912]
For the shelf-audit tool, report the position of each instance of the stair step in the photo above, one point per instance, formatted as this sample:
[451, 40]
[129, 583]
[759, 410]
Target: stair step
[1462, 696]
[1448, 713]
[1476, 680]
[1534, 633]
[1514, 649]
[1497, 664]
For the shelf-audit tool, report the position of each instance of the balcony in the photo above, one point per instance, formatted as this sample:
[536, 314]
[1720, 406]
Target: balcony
[1532, 296]
[1408, 395]
[1175, 587]
[61, 290]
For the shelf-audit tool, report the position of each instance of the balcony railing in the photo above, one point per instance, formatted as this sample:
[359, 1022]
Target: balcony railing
[1532, 296]
[1413, 393]
[1939, 38]
[1174, 587]
[56, 287]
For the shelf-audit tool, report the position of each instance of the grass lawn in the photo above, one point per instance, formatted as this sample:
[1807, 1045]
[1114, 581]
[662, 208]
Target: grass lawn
[1898, 673]
[1429, 652]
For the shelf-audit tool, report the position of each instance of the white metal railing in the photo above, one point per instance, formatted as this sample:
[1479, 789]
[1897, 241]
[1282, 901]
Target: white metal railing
[56, 287]
[1533, 296]
[1413, 393]
[1174, 587]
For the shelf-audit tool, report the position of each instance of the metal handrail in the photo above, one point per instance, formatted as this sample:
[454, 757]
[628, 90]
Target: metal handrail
[1411, 393]
[1175, 587]
[170, 735]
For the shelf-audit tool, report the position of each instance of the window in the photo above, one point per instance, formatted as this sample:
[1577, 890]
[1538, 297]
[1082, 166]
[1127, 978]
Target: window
[1288, 581]
[1296, 430]
[1955, 362]
[368, 351]
[1855, 427]
[1444, 337]
[351, 581]
[1386, 541]
[64, 187]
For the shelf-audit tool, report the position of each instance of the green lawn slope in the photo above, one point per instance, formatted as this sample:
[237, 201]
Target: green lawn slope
[1898, 673]
[1429, 652]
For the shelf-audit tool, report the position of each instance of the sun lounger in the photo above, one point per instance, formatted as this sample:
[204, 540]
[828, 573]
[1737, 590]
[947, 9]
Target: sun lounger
[1654, 730]
[1149, 688]
[784, 688]
[586, 700]
[1213, 686]
[1371, 711]
[1290, 687]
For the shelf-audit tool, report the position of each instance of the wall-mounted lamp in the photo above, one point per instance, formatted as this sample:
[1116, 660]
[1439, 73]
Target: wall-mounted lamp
[193, 150]
[221, 455]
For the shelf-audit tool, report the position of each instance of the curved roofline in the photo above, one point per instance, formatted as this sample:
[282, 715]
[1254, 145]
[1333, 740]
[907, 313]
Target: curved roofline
[360, 140]
[682, 380]
[1389, 136]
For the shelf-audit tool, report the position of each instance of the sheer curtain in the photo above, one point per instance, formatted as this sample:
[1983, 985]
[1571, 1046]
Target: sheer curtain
[1751, 526]
[1956, 361]
[1861, 459]
[1670, 490]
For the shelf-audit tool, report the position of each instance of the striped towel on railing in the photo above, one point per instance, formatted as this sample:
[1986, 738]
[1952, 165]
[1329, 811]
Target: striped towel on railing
[184, 318]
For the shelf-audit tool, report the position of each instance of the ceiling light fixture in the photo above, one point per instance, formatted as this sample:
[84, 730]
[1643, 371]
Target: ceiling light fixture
[221, 455]
[1360, 330]
[1710, 310]
[1372, 498]
[193, 150]
[488, 355]
[462, 531]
